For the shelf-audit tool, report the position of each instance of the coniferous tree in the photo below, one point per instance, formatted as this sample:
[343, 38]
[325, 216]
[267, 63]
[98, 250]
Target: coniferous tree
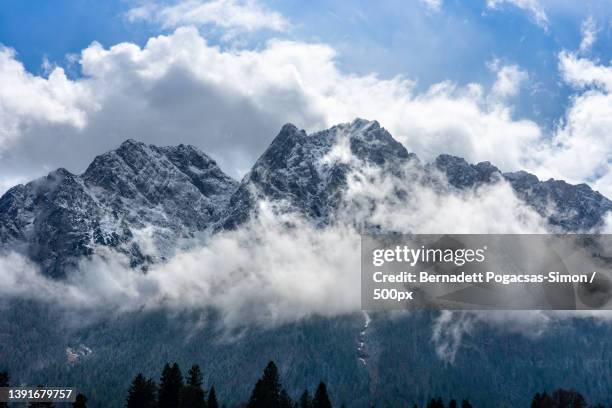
[194, 376]
[212, 398]
[435, 403]
[542, 401]
[170, 386]
[141, 393]
[321, 399]
[193, 395]
[536, 400]
[4, 382]
[568, 399]
[466, 404]
[305, 400]
[452, 404]
[285, 400]
[266, 393]
[80, 401]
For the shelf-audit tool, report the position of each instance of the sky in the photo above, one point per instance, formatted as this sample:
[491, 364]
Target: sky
[524, 84]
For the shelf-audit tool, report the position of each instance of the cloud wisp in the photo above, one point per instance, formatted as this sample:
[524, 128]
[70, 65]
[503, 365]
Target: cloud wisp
[232, 15]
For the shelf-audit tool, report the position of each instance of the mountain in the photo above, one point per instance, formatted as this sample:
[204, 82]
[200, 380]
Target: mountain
[294, 169]
[304, 171]
[171, 195]
[140, 193]
[56, 220]
[571, 207]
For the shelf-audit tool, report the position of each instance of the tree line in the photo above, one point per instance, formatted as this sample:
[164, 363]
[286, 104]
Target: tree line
[175, 391]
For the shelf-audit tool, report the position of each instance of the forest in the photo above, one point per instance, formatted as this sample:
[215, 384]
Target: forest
[176, 391]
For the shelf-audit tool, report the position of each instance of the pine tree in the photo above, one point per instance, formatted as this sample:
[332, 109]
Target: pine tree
[542, 401]
[4, 382]
[568, 399]
[141, 393]
[170, 386]
[80, 401]
[194, 376]
[305, 400]
[321, 399]
[285, 400]
[193, 395]
[266, 393]
[212, 398]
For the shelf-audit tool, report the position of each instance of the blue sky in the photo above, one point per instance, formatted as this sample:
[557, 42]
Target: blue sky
[387, 37]
[525, 84]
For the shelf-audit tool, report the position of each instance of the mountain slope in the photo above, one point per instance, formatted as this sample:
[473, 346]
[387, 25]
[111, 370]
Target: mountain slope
[175, 191]
[309, 173]
[302, 170]
[141, 195]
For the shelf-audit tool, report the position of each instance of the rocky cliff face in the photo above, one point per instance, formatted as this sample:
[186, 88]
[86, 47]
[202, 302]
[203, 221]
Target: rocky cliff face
[173, 193]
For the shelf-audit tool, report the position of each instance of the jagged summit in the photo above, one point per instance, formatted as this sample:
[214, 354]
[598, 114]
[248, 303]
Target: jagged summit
[170, 193]
[308, 171]
[175, 191]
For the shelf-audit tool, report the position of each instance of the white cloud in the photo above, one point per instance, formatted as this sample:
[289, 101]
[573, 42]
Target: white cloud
[582, 72]
[435, 5]
[589, 34]
[278, 267]
[241, 15]
[581, 148]
[231, 103]
[533, 7]
[27, 99]
[509, 79]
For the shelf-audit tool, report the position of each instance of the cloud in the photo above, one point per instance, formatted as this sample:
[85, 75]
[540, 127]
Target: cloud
[235, 15]
[509, 79]
[179, 89]
[533, 7]
[277, 268]
[231, 103]
[589, 34]
[27, 99]
[580, 149]
[434, 5]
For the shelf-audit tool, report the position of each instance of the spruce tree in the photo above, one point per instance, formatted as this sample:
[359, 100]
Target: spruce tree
[466, 404]
[141, 393]
[266, 393]
[212, 398]
[80, 401]
[170, 386]
[321, 399]
[305, 400]
[568, 399]
[193, 395]
[194, 376]
[285, 400]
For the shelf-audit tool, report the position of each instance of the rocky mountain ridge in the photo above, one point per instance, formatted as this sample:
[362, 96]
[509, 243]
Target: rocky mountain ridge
[172, 193]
